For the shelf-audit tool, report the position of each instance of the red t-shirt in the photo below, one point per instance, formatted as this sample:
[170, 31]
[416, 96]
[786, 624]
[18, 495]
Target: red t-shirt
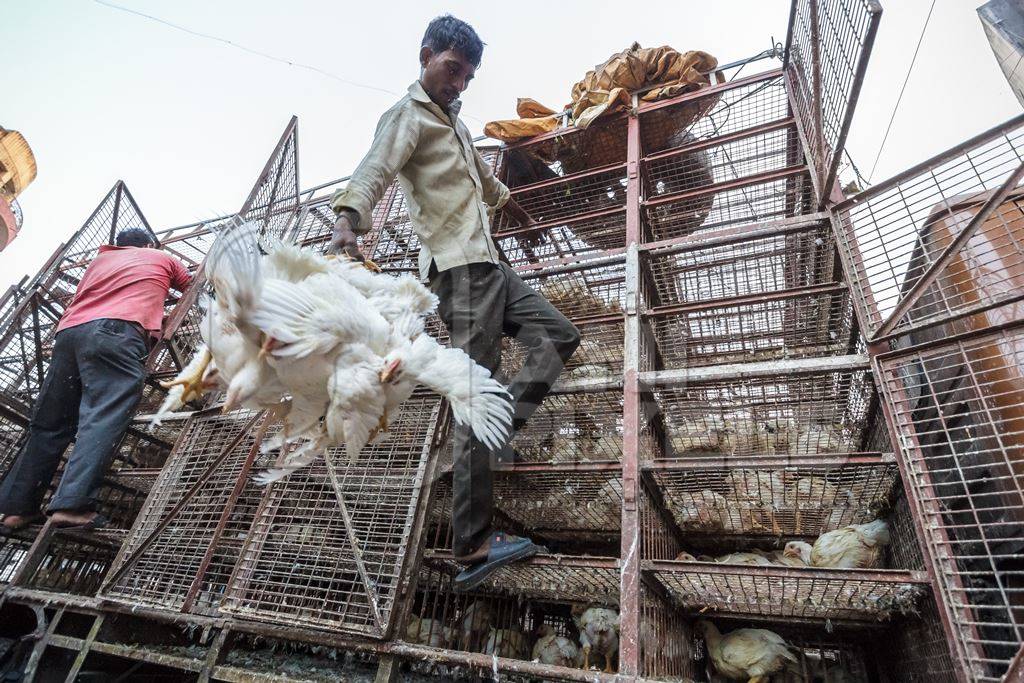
[126, 283]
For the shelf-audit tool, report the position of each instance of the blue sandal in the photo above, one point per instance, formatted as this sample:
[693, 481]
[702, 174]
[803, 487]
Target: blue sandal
[505, 549]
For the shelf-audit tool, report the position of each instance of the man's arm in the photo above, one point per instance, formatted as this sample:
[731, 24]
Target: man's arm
[180, 278]
[393, 144]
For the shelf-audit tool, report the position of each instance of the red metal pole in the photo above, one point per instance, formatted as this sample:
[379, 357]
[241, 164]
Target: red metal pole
[629, 590]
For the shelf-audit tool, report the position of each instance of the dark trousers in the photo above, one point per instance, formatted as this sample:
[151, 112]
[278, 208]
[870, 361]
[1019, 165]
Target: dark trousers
[479, 303]
[91, 389]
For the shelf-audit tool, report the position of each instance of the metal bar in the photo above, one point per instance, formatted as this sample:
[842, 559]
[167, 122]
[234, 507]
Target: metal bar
[117, 208]
[779, 295]
[875, 10]
[722, 140]
[580, 218]
[818, 120]
[83, 651]
[225, 515]
[29, 673]
[130, 561]
[789, 34]
[810, 573]
[558, 180]
[736, 371]
[353, 540]
[725, 186]
[907, 302]
[646, 107]
[629, 589]
[820, 460]
[964, 147]
[37, 337]
[34, 557]
[792, 85]
[1015, 674]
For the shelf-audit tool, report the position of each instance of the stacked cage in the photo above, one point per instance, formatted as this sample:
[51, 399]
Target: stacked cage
[935, 261]
[29, 313]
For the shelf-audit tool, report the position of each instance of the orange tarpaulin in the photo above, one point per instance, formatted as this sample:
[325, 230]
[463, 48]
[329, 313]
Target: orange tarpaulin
[656, 73]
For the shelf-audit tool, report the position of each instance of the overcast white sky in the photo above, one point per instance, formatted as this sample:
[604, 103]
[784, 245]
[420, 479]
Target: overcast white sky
[188, 123]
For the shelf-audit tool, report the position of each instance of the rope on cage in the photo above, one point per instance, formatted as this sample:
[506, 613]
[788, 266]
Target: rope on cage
[910, 69]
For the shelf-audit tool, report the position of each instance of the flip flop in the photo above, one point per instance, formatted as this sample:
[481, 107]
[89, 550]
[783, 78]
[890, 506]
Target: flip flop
[97, 522]
[505, 549]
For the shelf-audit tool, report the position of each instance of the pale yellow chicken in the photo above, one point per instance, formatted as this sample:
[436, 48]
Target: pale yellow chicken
[507, 642]
[753, 558]
[746, 654]
[700, 511]
[795, 554]
[475, 625]
[857, 546]
[599, 634]
[556, 650]
[428, 631]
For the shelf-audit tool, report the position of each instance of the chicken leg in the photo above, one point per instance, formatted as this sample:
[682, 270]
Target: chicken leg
[608, 662]
[586, 658]
[191, 378]
[758, 679]
[382, 426]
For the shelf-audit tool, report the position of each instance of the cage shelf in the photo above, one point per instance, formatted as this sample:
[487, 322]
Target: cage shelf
[555, 578]
[783, 496]
[802, 592]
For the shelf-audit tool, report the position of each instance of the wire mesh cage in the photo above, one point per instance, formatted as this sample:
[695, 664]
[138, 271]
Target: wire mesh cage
[738, 162]
[956, 411]
[797, 414]
[772, 497]
[789, 257]
[827, 52]
[940, 241]
[329, 543]
[180, 529]
[507, 628]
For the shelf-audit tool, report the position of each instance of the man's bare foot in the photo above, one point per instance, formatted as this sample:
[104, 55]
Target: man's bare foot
[65, 518]
[477, 556]
[18, 522]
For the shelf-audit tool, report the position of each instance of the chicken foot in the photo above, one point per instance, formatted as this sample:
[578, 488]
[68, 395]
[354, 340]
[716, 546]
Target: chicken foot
[608, 662]
[192, 383]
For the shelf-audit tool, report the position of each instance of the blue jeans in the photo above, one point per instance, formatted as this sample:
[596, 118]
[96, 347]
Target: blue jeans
[90, 392]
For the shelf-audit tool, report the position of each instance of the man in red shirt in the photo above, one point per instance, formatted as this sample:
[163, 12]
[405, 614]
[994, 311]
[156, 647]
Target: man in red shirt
[94, 382]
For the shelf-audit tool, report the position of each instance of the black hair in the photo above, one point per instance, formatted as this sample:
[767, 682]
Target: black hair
[446, 32]
[134, 237]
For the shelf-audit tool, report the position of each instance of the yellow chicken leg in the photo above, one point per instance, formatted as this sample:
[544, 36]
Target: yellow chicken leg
[586, 658]
[191, 378]
[757, 679]
[382, 426]
[608, 662]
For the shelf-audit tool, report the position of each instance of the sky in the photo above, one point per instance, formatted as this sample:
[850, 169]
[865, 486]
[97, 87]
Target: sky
[188, 122]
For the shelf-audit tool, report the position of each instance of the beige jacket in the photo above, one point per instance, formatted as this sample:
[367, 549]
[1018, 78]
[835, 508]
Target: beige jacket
[445, 181]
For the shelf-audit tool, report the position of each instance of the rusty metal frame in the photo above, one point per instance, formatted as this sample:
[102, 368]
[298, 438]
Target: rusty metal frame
[925, 281]
[629, 590]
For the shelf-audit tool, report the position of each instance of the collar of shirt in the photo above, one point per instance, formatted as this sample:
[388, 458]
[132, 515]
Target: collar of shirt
[420, 95]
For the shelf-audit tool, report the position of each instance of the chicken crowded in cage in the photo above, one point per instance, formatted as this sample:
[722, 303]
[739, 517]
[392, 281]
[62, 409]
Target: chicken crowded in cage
[329, 345]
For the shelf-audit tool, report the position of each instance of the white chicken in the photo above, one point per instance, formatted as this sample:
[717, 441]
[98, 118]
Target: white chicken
[507, 642]
[857, 546]
[756, 559]
[746, 654]
[703, 510]
[795, 554]
[302, 326]
[554, 649]
[599, 633]
[475, 625]
[817, 491]
[428, 631]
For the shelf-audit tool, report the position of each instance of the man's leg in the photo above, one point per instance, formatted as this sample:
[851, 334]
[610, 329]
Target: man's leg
[111, 358]
[53, 425]
[471, 304]
[550, 339]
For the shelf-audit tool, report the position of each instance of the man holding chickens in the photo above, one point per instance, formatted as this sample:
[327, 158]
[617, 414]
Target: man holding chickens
[448, 187]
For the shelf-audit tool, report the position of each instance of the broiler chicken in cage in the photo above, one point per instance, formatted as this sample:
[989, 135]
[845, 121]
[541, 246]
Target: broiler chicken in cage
[331, 346]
